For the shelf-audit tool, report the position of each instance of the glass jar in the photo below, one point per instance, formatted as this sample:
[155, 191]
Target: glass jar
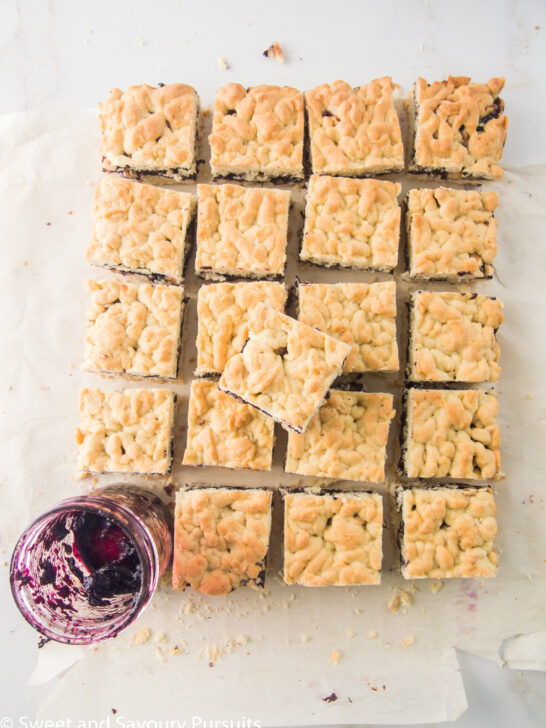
[50, 580]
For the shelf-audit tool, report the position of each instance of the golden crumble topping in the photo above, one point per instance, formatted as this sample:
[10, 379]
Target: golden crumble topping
[125, 432]
[354, 132]
[352, 223]
[452, 234]
[151, 130]
[346, 439]
[453, 337]
[257, 133]
[285, 369]
[333, 539]
[362, 315]
[447, 532]
[221, 538]
[241, 231]
[452, 433]
[224, 431]
[140, 228]
[459, 128]
[224, 311]
[133, 330]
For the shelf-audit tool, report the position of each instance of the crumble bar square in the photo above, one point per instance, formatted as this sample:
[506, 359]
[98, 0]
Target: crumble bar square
[126, 432]
[447, 532]
[241, 231]
[140, 229]
[223, 318]
[333, 539]
[345, 440]
[452, 234]
[362, 315]
[354, 132]
[458, 128]
[451, 434]
[133, 330]
[221, 539]
[285, 368]
[453, 337]
[150, 133]
[226, 432]
[352, 223]
[257, 133]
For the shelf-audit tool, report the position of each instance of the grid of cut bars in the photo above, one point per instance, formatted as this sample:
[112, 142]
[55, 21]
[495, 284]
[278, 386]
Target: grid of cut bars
[333, 536]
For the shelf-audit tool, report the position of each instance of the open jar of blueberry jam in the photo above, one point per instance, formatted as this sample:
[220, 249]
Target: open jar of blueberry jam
[86, 568]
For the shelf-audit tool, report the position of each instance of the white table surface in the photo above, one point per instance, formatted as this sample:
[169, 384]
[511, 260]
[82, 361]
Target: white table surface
[58, 54]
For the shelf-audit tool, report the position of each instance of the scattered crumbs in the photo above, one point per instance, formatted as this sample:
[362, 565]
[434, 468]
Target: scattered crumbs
[357, 610]
[275, 52]
[188, 607]
[372, 635]
[4, 563]
[436, 586]
[211, 664]
[383, 687]
[537, 27]
[48, 224]
[159, 655]
[423, 611]
[222, 64]
[70, 212]
[349, 700]
[408, 642]
[25, 262]
[335, 657]
[398, 599]
[161, 637]
[374, 688]
[330, 698]
[387, 645]
[529, 395]
[303, 638]
[10, 388]
[349, 633]
[114, 711]
[140, 41]
[143, 636]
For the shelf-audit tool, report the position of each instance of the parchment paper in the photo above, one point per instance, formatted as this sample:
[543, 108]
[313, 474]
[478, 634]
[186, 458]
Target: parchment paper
[258, 657]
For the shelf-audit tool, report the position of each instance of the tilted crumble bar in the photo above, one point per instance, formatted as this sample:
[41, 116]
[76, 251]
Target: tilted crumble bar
[224, 431]
[333, 539]
[126, 432]
[459, 128]
[223, 314]
[346, 439]
[257, 133]
[355, 132]
[362, 315]
[140, 229]
[150, 133]
[221, 538]
[133, 330]
[452, 433]
[241, 231]
[453, 337]
[447, 532]
[352, 223]
[452, 234]
[285, 369]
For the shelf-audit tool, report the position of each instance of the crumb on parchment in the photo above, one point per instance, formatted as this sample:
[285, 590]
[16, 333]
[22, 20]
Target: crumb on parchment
[400, 598]
[335, 657]
[222, 63]
[140, 638]
[408, 642]
[372, 635]
[436, 586]
[275, 52]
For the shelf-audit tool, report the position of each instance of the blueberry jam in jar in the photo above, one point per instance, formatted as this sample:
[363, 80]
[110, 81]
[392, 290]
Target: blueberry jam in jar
[86, 568]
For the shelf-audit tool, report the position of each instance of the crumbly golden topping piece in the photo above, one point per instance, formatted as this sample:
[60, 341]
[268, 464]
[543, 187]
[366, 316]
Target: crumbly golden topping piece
[354, 132]
[224, 431]
[453, 337]
[257, 133]
[452, 234]
[452, 433]
[362, 315]
[152, 129]
[241, 231]
[221, 537]
[133, 330]
[140, 228]
[447, 532]
[285, 369]
[333, 539]
[352, 223]
[125, 432]
[346, 439]
[223, 314]
[460, 128]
